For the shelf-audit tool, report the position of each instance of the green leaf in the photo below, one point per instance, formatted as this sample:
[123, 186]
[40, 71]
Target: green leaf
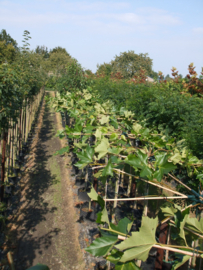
[176, 158]
[95, 197]
[115, 256]
[39, 267]
[136, 253]
[194, 160]
[140, 242]
[62, 151]
[183, 260]
[108, 170]
[102, 148]
[98, 134]
[163, 165]
[127, 266]
[113, 137]
[195, 225]
[104, 120]
[136, 127]
[182, 231]
[114, 150]
[140, 161]
[124, 226]
[104, 217]
[114, 123]
[85, 157]
[102, 245]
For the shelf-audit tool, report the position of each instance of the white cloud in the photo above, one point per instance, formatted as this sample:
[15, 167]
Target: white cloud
[87, 14]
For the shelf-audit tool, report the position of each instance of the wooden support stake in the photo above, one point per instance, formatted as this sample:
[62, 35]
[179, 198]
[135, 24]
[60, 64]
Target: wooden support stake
[10, 261]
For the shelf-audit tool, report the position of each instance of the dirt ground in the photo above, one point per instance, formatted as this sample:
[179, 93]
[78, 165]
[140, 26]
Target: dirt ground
[45, 227]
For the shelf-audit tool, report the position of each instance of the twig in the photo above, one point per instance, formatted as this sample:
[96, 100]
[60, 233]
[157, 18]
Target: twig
[176, 179]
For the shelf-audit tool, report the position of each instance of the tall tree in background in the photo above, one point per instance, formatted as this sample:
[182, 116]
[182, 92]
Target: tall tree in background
[42, 50]
[58, 60]
[105, 69]
[8, 48]
[4, 36]
[59, 50]
[128, 63]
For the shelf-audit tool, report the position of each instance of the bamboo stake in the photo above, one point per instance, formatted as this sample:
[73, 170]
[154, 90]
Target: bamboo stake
[180, 182]
[190, 260]
[116, 196]
[168, 242]
[146, 198]
[10, 261]
[146, 202]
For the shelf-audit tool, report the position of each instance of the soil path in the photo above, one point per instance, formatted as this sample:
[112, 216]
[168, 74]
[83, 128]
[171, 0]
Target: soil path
[46, 225]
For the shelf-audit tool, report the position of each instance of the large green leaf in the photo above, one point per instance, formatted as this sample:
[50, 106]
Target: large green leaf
[39, 267]
[182, 231]
[102, 245]
[195, 224]
[102, 148]
[104, 120]
[85, 157]
[138, 253]
[127, 266]
[140, 242]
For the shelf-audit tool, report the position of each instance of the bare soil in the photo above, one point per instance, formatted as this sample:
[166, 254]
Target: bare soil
[45, 228]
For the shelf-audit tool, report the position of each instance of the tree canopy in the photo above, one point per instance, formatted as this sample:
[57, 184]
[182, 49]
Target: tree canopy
[4, 36]
[105, 69]
[59, 50]
[128, 63]
[42, 50]
[8, 47]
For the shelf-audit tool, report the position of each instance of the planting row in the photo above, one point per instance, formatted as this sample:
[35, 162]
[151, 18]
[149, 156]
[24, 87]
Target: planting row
[123, 160]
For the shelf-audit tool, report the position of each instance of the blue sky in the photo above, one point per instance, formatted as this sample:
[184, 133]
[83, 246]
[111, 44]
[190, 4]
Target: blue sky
[93, 32]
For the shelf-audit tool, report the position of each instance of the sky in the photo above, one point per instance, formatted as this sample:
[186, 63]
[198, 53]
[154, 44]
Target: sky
[94, 32]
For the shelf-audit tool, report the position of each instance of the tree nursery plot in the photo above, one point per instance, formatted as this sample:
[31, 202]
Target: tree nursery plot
[135, 151]
[142, 183]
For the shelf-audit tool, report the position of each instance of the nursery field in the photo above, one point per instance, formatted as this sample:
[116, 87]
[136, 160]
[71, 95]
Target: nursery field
[101, 172]
[141, 185]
